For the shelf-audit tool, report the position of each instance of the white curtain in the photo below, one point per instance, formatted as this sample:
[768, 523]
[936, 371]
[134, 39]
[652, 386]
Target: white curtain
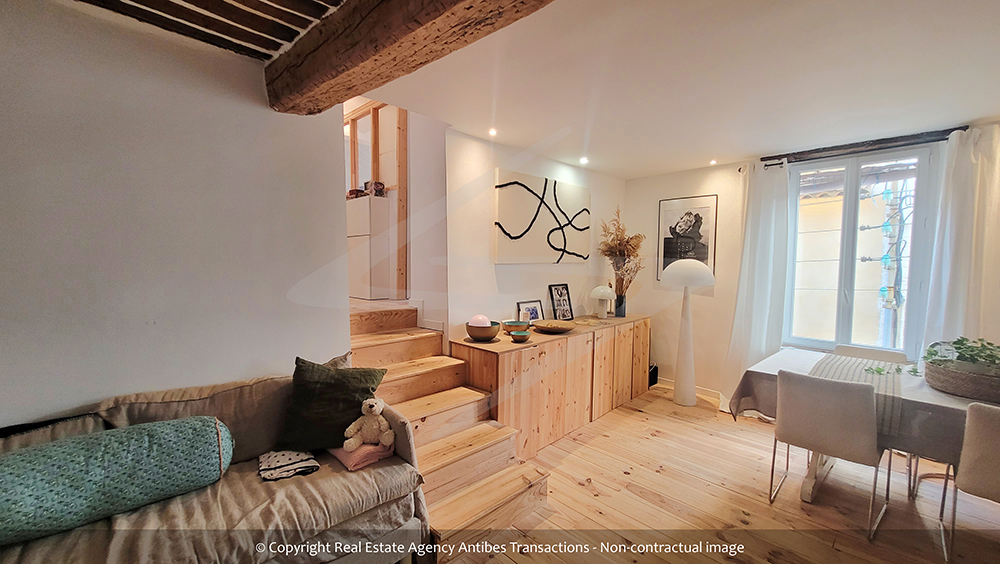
[964, 293]
[760, 298]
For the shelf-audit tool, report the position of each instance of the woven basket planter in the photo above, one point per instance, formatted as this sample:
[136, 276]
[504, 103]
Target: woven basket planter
[965, 384]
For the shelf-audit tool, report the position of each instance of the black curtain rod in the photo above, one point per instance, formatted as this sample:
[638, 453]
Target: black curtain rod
[865, 146]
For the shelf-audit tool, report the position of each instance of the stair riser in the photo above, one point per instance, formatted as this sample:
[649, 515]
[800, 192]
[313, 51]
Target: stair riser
[524, 503]
[374, 321]
[449, 422]
[450, 478]
[424, 384]
[422, 346]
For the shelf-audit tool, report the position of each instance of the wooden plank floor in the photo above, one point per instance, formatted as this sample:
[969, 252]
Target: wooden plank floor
[651, 471]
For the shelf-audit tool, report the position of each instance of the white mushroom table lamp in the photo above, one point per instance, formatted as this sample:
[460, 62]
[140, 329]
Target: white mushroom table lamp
[687, 273]
[602, 294]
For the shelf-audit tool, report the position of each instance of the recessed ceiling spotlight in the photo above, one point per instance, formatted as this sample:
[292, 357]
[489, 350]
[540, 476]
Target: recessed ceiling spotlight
[493, 132]
[584, 160]
[711, 162]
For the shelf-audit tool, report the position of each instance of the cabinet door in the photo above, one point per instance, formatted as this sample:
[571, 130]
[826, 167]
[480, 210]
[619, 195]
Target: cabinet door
[623, 364]
[552, 387]
[640, 357]
[604, 372]
[579, 381]
[521, 398]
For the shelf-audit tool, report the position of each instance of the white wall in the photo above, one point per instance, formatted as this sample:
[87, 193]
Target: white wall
[428, 225]
[712, 309]
[161, 226]
[475, 284]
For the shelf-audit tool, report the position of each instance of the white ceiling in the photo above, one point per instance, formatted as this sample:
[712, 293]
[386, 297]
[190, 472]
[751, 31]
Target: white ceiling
[643, 87]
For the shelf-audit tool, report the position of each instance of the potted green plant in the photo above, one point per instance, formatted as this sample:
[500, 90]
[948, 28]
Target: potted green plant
[964, 367]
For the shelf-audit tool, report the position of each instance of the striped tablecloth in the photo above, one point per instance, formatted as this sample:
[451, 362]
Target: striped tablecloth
[931, 423]
[888, 403]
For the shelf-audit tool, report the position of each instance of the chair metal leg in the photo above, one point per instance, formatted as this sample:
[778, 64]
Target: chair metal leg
[954, 510]
[916, 477]
[948, 541]
[774, 454]
[909, 476]
[873, 527]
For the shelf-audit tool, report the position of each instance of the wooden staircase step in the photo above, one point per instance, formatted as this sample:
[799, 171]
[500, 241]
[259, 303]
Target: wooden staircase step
[383, 319]
[421, 377]
[492, 503]
[454, 462]
[439, 415]
[394, 346]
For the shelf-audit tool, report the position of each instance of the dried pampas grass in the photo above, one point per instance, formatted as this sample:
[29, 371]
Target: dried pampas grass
[622, 250]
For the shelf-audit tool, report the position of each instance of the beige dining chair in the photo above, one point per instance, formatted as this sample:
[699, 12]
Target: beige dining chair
[976, 473]
[898, 357]
[883, 355]
[834, 418]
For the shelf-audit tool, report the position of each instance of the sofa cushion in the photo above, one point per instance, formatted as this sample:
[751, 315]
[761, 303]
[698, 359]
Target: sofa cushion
[67, 483]
[224, 522]
[342, 361]
[253, 410]
[47, 432]
[324, 402]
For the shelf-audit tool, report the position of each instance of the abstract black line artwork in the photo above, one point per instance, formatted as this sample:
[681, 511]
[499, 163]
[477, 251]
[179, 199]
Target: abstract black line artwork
[547, 237]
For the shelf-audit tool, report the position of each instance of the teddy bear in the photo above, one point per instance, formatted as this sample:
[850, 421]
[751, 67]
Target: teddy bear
[370, 428]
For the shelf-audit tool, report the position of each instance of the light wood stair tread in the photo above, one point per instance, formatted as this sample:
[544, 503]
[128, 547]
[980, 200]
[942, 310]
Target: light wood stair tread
[391, 336]
[419, 366]
[376, 316]
[426, 406]
[444, 451]
[467, 505]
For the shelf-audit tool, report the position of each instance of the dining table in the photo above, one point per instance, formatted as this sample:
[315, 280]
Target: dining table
[918, 419]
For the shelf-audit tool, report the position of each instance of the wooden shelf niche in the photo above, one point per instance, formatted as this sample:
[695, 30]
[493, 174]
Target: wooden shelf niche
[555, 384]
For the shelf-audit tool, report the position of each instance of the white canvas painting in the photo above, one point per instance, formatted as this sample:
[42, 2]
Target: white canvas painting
[540, 220]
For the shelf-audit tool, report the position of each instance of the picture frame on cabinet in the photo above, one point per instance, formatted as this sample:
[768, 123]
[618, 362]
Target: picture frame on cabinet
[530, 311]
[562, 308]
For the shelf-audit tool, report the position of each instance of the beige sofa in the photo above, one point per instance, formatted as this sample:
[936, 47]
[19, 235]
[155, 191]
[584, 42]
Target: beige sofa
[231, 520]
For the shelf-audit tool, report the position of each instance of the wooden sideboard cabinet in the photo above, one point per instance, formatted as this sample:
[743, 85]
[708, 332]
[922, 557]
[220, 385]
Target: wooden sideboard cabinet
[554, 384]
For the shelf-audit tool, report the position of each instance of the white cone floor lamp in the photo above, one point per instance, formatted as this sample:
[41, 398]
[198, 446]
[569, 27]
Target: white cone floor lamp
[687, 273]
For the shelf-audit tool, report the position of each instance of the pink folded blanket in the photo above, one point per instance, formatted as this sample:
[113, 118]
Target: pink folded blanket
[363, 456]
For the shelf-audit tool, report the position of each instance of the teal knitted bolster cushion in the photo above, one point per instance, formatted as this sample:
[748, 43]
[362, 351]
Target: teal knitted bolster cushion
[63, 484]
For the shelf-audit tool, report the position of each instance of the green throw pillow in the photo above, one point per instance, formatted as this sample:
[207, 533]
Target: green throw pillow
[325, 401]
[60, 485]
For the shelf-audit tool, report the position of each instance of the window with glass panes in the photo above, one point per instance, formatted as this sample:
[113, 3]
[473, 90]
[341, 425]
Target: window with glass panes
[858, 271]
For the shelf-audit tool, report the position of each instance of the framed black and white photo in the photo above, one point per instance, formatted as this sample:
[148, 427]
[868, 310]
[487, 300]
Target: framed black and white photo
[561, 307]
[532, 309]
[687, 229]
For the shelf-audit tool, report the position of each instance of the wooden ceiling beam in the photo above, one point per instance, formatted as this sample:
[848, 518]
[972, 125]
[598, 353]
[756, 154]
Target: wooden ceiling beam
[247, 19]
[368, 43]
[310, 8]
[175, 26]
[290, 18]
[210, 23]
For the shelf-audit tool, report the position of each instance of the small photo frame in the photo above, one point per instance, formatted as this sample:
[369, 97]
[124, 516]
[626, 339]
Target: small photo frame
[562, 309]
[532, 308]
